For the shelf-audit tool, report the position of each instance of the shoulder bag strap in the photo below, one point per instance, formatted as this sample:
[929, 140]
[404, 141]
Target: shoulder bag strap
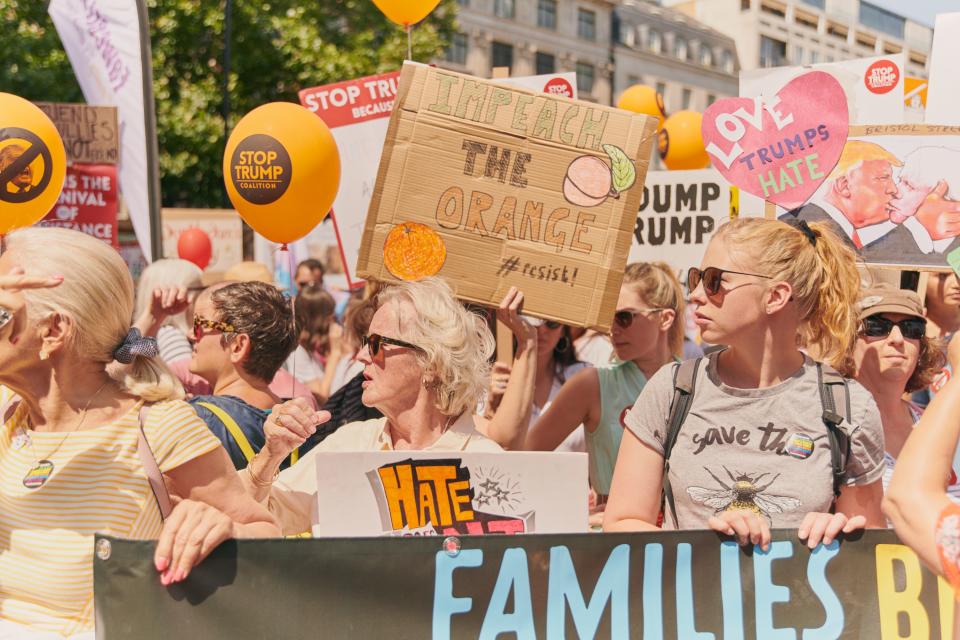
[834, 398]
[684, 386]
[233, 428]
[152, 469]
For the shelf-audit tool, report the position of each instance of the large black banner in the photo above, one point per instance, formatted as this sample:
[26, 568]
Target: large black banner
[689, 585]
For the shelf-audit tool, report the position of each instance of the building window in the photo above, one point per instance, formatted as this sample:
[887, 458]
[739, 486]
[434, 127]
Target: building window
[773, 53]
[819, 4]
[632, 80]
[685, 101]
[882, 20]
[502, 55]
[463, 3]
[773, 9]
[503, 8]
[655, 41]
[744, 5]
[547, 14]
[706, 56]
[662, 90]
[586, 24]
[546, 63]
[918, 58]
[584, 78]
[457, 51]
[680, 47]
[814, 57]
[809, 21]
[711, 99]
[728, 65]
[798, 55]
[837, 30]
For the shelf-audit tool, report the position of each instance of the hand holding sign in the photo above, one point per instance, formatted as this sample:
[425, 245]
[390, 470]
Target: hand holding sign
[282, 170]
[781, 147]
[33, 163]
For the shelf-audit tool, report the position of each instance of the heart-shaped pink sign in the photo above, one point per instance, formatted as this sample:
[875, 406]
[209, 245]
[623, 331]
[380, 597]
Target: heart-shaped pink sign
[781, 147]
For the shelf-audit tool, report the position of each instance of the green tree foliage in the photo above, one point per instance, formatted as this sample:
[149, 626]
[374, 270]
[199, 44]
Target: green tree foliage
[278, 47]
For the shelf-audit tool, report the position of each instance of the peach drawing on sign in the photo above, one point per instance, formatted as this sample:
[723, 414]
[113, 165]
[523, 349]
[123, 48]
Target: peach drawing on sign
[590, 181]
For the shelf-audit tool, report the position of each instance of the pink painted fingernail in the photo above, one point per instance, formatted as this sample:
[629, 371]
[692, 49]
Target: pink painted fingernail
[57, 277]
[162, 563]
[179, 575]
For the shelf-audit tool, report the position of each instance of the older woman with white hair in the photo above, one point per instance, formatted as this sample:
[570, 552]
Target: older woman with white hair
[426, 363]
[95, 440]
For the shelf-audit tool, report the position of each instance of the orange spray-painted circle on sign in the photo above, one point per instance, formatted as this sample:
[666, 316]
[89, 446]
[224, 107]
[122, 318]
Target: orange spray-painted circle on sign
[413, 251]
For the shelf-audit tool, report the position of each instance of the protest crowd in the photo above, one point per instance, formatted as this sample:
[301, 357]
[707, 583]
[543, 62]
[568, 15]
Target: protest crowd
[799, 374]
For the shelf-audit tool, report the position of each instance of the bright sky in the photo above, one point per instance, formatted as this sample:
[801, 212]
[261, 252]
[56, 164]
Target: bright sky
[923, 11]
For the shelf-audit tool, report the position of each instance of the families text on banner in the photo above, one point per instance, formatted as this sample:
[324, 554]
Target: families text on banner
[522, 188]
[688, 584]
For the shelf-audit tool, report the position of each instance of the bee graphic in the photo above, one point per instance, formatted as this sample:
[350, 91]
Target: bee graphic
[744, 494]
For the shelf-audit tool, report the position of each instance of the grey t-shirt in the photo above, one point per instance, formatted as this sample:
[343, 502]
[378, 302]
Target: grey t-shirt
[760, 449]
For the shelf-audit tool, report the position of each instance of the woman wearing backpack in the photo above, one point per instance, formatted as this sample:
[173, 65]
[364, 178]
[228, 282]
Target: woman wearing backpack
[754, 448]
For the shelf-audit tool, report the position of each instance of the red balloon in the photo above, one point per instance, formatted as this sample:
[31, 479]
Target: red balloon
[194, 245]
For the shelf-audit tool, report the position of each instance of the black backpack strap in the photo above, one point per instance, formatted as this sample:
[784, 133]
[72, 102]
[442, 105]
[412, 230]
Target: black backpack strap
[684, 386]
[834, 399]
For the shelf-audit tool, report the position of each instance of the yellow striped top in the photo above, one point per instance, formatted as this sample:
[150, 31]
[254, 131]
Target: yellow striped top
[98, 485]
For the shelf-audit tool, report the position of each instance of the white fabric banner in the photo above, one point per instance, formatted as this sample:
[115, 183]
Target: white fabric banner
[102, 40]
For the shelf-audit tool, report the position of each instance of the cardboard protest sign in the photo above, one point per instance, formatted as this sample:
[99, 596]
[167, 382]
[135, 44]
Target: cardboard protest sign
[894, 195]
[357, 112]
[397, 493]
[523, 188]
[88, 202]
[873, 86]
[779, 147]
[914, 99]
[90, 134]
[679, 212]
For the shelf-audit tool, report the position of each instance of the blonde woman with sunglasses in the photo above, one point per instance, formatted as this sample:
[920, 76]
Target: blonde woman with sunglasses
[754, 449]
[647, 333]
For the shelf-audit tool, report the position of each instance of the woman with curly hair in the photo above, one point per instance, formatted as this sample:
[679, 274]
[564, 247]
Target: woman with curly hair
[893, 356]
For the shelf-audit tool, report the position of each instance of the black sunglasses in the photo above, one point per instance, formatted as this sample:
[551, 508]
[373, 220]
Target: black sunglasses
[624, 317]
[375, 341]
[880, 327]
[712, 278]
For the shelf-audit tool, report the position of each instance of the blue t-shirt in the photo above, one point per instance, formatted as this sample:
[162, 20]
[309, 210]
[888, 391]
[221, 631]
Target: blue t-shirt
[249, 419]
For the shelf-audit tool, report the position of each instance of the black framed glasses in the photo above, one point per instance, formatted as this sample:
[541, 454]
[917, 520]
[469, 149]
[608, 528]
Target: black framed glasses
[712, 278]
[624, 317]
[199, 324]
[375, 341]
[878, 326]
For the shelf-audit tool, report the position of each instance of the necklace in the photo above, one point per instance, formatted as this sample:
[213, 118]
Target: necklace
[41, 470]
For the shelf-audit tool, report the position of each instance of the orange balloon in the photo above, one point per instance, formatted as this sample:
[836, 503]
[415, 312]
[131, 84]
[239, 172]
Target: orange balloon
[282, 170]
[406, 12]
[643, 99]
[33, 163]
[681, 143]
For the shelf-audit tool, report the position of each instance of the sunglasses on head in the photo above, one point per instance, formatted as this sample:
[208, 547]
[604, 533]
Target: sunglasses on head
[624, 317]
[880, 327]
[375, 341]
[712, 278]
[199, 324]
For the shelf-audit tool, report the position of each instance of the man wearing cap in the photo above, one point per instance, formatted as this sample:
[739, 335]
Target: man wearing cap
[893, 356]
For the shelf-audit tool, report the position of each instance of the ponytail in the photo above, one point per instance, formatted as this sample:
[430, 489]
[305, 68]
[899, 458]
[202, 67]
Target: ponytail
[148, 378]
[822, 271]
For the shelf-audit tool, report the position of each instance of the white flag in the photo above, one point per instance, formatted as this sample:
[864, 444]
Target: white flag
[103, 41]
